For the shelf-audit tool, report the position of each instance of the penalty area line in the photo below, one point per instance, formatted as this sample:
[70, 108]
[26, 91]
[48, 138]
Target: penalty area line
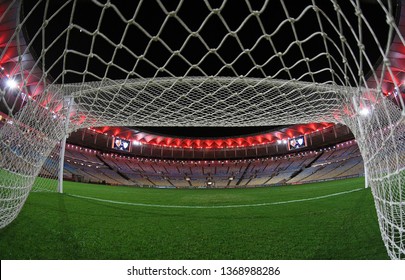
[214, 206]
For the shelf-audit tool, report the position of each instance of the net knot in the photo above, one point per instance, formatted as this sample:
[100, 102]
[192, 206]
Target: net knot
[256, 13]
[390, 20]
[361, 46]
[336, 7]
[216, 11]
[291, 20]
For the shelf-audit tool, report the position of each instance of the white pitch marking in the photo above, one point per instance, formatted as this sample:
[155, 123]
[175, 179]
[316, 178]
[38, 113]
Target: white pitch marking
[215, 206]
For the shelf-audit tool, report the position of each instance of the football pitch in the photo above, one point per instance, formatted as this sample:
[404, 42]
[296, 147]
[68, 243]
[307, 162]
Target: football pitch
[328, 220]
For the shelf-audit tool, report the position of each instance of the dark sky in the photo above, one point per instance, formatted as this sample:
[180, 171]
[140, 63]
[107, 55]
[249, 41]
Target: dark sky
[207, 132]
[192, 13]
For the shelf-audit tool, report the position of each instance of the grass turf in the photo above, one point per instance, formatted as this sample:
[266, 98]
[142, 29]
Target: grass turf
[55, 226]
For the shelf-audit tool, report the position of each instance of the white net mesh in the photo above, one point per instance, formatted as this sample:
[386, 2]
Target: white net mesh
[203, 63]
[47, 179]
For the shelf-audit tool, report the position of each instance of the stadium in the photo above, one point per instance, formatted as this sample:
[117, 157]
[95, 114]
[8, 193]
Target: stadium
[202, 129]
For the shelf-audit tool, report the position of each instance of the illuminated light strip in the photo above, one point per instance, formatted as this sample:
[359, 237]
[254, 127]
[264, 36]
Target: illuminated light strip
[223, 141]
[215, 206]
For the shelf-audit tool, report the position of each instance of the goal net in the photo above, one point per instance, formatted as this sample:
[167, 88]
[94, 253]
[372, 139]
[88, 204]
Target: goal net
[74, 64]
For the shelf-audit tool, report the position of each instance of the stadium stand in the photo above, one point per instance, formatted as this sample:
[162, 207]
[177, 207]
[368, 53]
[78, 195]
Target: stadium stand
[334, 163]
[86, 165]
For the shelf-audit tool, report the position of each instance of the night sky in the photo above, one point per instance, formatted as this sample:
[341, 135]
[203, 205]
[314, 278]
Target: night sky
[158, 60]
[174, 35]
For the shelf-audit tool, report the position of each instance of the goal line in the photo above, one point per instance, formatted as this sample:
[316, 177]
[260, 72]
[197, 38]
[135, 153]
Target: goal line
[214, 206]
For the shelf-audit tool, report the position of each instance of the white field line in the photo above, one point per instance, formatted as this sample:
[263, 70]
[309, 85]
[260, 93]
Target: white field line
[214, 206]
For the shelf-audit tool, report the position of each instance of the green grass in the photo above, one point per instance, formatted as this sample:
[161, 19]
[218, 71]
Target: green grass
[55, 226]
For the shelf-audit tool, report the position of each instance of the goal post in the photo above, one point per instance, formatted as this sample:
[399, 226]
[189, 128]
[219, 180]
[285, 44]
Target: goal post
[68, 103]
